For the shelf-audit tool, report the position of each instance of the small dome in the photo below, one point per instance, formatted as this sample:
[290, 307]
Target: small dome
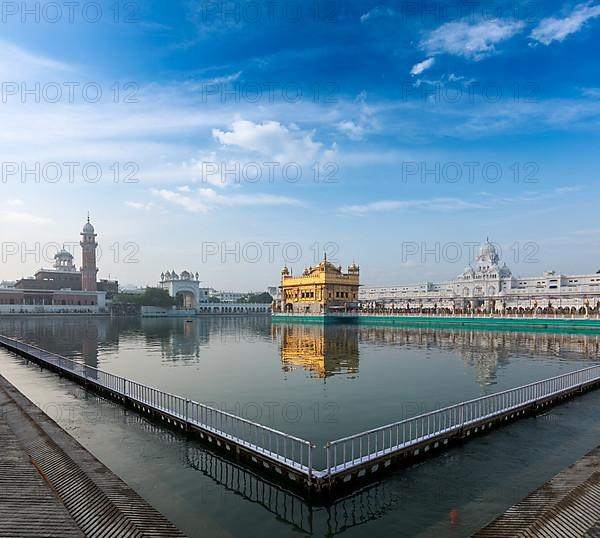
[63, 254]
[468, 270]
[87, 227]
[63, 260]
[505, 271]
[488, 250]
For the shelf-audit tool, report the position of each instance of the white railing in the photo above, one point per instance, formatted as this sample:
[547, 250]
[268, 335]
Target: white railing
[342, 454]
[283, 448]
[361, 448]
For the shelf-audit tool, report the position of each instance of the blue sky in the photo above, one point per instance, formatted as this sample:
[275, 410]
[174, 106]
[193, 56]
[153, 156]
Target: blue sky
[409, 113]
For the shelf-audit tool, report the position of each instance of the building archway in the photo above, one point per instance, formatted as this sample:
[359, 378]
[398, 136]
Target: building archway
[185, 290]
[185, 299]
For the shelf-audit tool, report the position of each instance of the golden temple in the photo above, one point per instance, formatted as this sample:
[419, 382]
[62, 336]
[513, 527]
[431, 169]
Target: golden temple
[320, 289]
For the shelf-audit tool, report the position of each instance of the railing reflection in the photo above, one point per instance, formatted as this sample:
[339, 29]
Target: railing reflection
[365, 505]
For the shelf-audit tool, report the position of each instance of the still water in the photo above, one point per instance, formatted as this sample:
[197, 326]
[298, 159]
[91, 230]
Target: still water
[321, 383]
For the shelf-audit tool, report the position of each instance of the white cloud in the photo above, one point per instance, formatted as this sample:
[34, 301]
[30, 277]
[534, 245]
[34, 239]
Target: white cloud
[22, 217]
[140, 205]
[20, 65]
[272, 140]
[167, 134]
[433, 204]
[418, 68]
[377, 12]
[458, 204]
[204, 199]
[553, 29]
[227, 78]
[187, 202]
[351, 130]
[473, 41]
[594, 93]
[358, 128]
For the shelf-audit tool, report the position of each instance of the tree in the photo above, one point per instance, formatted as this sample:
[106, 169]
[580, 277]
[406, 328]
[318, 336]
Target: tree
[151, 297]
[258, 298]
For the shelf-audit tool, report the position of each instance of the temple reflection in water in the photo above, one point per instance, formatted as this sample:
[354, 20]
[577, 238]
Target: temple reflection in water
[324, 350]
[327, 350]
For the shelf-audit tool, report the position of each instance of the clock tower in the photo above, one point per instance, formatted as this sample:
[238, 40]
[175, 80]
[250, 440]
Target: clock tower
[88, 244]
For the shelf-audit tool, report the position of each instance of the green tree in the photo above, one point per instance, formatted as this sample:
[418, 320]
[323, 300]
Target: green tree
[151, 297]
[258, 298]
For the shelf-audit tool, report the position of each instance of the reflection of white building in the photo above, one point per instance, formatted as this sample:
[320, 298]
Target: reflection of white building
[492, 286]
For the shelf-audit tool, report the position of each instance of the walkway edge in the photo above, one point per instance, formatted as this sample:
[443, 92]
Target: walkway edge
[97, 499]
[566, 505]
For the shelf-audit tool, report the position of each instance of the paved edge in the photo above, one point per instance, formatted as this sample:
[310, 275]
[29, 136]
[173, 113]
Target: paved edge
[28, 505]
[567, 506]
[98, 501]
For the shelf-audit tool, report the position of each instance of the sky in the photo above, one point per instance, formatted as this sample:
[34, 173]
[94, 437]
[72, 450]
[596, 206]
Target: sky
[235, 138]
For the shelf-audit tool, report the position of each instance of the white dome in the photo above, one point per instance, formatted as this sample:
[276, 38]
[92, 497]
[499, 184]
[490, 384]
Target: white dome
[63, 255]
[88, 228]
[488, 253]
[488, 250]
[505, 271]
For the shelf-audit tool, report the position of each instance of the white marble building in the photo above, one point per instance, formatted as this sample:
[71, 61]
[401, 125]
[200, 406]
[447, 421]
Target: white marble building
[186, 284]
[490, 286]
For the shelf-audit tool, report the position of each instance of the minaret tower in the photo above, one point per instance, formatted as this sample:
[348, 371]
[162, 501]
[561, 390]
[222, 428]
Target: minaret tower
[88, 257]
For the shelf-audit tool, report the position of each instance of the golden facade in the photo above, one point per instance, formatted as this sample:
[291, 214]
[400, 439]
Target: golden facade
[320, 289]
[323, 350]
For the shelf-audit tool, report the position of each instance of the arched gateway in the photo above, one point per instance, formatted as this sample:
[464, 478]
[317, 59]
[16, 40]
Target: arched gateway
[186, 285]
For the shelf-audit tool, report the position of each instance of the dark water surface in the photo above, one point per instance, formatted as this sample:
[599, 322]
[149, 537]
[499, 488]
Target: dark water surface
[321, 383]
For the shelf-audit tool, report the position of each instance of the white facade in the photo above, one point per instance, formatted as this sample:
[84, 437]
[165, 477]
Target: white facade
[275, 292]
[229, 296]
[207, 308]
[17, 301]
[186, 284]
[491, 286]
